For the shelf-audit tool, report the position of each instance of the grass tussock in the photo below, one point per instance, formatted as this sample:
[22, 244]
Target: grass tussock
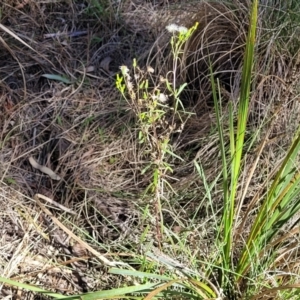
[174, 150]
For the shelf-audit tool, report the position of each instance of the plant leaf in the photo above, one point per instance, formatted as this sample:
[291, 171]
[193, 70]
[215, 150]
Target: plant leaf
[57, 77]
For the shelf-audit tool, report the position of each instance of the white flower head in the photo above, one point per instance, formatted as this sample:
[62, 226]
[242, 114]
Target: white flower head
[182, 30]
[150, 69]
[175, 28]
[162, 79]
[162, 98]
[124, 70]
[172, 28]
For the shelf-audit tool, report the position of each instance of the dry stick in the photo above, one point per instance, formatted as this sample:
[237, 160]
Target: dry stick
[20, 65]
[68, 210]
[43, 169]
[11, 33]
[72, 235]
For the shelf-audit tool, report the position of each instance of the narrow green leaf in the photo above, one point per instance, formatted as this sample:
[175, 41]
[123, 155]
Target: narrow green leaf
[57, 77]
[31, 288]
[114, 292]
[181, 88]
[276, 209]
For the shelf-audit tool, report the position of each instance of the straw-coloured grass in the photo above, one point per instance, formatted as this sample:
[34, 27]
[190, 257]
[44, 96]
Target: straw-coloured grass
[59, 104]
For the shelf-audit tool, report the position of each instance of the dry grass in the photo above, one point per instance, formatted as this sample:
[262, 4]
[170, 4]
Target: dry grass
[86, 133]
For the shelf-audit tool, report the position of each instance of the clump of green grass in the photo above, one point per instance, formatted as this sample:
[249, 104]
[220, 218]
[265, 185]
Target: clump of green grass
[274, 209]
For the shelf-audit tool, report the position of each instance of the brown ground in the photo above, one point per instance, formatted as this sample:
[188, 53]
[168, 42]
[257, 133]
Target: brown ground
[85, 132]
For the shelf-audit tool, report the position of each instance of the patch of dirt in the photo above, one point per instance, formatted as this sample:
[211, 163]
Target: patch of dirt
[59, 105]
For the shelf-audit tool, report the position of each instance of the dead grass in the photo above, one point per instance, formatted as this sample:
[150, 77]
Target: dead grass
[85, 132]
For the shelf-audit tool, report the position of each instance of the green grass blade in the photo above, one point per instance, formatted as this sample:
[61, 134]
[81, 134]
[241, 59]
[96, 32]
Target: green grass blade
[277, 209]
[225, 224]
[57, 78]
[31, 288]
[237, 141]
[112, 293]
